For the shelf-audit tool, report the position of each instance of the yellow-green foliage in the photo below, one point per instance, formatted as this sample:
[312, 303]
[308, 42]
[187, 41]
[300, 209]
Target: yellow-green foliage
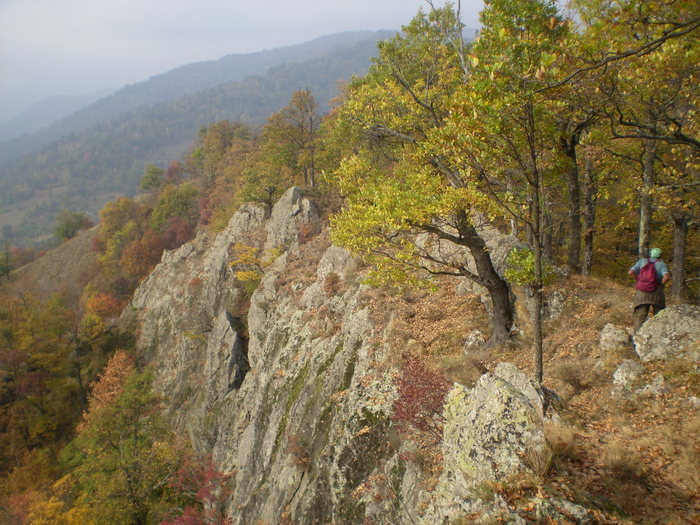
[521, 268]
[249, 264]
[122, 460]
[174, 201]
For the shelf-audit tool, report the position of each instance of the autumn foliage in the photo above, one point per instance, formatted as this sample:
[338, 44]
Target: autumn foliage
[109, 385]
[205, 487]
[105, 305]
[421, 394]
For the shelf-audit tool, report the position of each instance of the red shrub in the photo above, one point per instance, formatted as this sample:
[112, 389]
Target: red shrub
[422, 390]
[177, 232]
[203, 484]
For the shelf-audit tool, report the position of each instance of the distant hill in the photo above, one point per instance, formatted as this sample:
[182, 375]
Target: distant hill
[65, 269]
[85, 169]
[181, 81]
[46, 112]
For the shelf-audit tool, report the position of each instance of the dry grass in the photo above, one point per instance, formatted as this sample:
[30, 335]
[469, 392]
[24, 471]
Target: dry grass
[573, 374]
[459, 371]
[437, 320]
[623, 463]
[332, 284]
[562, 439]
[539, 459]
[638, 459]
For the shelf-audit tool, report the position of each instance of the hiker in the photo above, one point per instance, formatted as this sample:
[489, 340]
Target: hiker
[651, 275]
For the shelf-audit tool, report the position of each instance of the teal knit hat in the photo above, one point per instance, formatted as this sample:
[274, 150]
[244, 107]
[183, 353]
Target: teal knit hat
[655, 253]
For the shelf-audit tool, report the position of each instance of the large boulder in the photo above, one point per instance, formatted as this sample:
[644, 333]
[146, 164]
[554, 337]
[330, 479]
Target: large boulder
[631, 380]
[487, 434]
[674, 333]
[491, 433]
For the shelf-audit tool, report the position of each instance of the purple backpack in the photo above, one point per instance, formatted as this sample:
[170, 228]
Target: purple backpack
[646, 278]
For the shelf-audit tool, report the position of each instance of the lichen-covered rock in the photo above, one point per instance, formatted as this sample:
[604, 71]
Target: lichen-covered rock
[475, 341]
[336, 263]
[630, 381]
[675, 332]
[554, 305]
[627, 378]
[613, 339]
[298, 413]
[182, 312]
[655, 388]
[487, 433]
[288, 214]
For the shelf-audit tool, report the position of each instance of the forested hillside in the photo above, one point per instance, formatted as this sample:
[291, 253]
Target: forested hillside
[415, 308]
[181, 81]
[83, 170]
[44, 113]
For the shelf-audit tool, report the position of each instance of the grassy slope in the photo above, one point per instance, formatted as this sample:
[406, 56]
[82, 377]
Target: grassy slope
[64, 269]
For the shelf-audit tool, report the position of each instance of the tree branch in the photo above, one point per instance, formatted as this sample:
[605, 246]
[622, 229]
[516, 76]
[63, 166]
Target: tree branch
[678, 31]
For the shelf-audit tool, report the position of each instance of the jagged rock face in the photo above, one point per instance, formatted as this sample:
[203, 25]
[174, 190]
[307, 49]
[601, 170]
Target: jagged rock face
[294, 407]
[675, 332]
[281, 231]
[185, 332]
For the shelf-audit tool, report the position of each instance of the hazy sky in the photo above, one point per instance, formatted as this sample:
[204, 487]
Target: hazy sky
[57, 47]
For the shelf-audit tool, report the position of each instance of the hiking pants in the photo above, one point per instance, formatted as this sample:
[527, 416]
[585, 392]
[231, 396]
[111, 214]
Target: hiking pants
[641, 313]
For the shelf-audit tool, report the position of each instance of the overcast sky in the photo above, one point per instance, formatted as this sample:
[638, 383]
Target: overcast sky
[68, 47]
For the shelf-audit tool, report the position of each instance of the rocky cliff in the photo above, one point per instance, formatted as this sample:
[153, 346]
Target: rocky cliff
[291, 389]
[287, 394]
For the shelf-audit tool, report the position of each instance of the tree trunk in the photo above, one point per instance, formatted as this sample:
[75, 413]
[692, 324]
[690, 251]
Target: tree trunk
[547, 233]
[680, 235]
[538, 285]
[589, 207]
[502, 315]
[572, 183]
[645, 208]
[312, 173]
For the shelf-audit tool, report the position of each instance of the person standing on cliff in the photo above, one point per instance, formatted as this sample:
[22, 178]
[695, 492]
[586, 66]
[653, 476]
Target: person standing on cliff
[651, 275]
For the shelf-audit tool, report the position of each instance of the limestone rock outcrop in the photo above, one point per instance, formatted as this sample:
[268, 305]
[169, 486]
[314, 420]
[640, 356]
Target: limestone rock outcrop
[286, 400]
[675, 332]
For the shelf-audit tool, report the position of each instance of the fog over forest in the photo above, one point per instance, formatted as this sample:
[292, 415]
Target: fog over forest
[77, 47]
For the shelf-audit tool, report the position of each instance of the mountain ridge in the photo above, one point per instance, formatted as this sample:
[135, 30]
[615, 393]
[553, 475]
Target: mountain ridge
[180, 81]
[46, 112]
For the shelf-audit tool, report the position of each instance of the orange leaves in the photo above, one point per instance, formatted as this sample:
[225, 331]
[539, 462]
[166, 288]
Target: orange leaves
[105, 305]
[109, 385]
